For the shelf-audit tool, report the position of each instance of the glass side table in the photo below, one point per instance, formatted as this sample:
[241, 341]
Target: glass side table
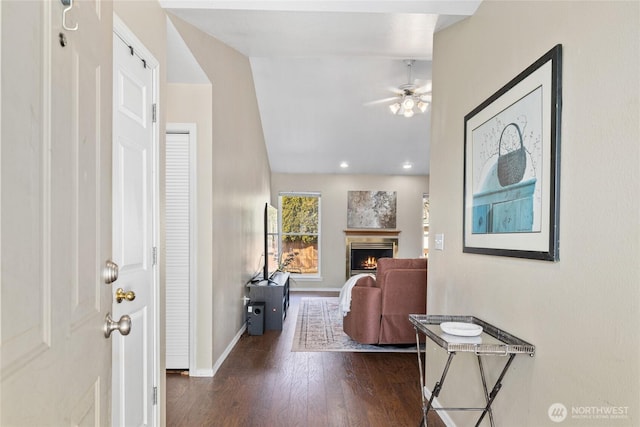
[492, 342]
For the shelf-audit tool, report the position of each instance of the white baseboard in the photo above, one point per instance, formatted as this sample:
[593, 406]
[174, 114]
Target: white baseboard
[201, 373]
[226, 352]
[211, 372]
[444, 415]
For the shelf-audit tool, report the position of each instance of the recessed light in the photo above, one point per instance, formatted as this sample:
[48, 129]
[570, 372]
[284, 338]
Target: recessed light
[344, 165]
[407, 165]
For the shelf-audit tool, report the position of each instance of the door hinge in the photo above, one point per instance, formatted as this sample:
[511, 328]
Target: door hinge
[153, 112]
[155, 255]
[155, 395]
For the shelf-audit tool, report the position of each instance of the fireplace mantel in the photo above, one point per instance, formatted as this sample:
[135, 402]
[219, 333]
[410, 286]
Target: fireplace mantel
[371, 232]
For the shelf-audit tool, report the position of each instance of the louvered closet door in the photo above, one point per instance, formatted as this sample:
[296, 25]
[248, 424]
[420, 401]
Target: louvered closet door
[178, 200]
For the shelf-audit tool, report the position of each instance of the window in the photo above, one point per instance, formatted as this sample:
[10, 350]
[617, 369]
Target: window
[300, 233]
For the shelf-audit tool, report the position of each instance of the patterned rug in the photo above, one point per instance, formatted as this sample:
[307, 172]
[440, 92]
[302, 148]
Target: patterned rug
[319, 328]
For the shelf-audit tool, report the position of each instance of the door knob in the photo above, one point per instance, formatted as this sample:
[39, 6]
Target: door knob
[121, 294]
[110, 272]
[123, 325]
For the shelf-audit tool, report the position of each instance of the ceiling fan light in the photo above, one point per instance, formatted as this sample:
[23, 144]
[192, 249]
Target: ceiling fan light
[394, 108]
[408, 103]
[408, 113]
[422, 106]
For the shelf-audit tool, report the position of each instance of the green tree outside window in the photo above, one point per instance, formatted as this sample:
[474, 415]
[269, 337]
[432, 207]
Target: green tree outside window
[300, 221]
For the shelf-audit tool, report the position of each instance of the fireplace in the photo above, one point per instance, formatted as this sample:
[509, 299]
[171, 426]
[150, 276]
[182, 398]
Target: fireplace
[363, 252]
[364, 256]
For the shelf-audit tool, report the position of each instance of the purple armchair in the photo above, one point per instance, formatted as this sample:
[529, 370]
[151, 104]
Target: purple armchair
[380, 307]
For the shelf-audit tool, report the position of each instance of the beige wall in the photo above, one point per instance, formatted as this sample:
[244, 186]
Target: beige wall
[240, 180]
[582, 312]
[334, 190]
[191, 103]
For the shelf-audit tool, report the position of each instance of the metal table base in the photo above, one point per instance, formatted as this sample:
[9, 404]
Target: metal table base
[494, 342]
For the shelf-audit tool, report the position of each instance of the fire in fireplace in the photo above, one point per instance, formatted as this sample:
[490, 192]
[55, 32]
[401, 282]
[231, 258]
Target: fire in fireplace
[363, 255]
[371, 263]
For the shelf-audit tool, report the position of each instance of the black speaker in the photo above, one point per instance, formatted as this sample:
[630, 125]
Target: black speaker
[255, 317]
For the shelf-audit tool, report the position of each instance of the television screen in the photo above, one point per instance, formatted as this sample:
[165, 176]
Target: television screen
[271, 241]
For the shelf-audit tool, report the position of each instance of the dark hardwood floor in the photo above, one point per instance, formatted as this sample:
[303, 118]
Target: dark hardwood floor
[263, 383]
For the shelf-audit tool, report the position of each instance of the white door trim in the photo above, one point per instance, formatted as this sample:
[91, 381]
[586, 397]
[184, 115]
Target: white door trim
[191, 129]
[122, 31]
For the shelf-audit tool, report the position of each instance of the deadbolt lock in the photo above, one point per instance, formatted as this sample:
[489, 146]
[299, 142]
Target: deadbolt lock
[110, 272]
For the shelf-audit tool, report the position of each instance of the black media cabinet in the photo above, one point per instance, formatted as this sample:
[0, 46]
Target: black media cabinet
[275, 295]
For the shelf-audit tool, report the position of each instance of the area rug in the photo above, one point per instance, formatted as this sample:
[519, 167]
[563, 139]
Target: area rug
[319, 328]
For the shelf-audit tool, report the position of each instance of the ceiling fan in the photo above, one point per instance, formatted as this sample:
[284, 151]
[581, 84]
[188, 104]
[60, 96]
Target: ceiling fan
[410, 97]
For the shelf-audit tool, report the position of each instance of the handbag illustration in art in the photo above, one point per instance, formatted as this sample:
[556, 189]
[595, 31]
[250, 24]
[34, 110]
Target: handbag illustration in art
[511, 165]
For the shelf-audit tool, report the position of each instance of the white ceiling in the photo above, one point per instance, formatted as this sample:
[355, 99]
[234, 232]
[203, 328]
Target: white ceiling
[316, 64]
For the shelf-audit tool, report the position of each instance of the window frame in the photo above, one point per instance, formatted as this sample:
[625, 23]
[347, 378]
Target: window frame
[318, 195]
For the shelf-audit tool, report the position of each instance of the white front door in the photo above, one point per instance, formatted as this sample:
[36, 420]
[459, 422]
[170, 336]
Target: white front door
[55, 213]
[134, 364]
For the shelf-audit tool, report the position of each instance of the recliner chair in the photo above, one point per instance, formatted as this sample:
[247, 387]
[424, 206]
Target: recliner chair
[380, 307]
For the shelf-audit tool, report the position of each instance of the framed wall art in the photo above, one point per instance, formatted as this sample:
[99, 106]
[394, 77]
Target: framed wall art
[371, 209]
[512, 166]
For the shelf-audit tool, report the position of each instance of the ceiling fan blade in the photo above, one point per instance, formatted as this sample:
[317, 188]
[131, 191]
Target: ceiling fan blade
[425, 97]
[381, 101]
[423, 86]
[396, 90]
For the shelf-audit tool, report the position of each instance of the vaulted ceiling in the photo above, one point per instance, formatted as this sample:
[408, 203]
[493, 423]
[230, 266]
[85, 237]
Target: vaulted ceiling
[318, 67]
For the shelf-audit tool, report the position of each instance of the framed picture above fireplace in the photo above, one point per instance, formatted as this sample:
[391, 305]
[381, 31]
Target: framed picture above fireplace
[371, 209]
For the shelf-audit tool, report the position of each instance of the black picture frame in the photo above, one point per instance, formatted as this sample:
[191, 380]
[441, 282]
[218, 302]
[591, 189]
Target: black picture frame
[511, 204]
